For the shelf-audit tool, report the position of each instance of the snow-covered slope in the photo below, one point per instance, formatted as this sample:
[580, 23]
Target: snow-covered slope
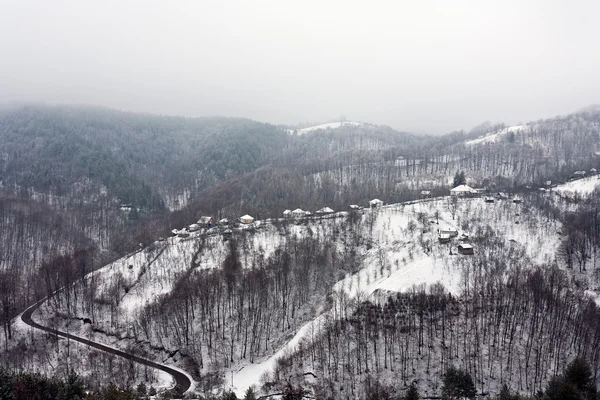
[582, 187]
[493, 137]
[396, 248]
[329, 125]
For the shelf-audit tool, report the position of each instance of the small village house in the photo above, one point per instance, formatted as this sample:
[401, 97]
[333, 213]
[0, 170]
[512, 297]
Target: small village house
[354, 207]
[444, 238]
[193, 228]
[246, 219]
[298, 213]
[287, 213]
[375, 203]
[465, 249]
[452, 232]
[463, 191]
[206, 222]
[324, 210]
[425, 194]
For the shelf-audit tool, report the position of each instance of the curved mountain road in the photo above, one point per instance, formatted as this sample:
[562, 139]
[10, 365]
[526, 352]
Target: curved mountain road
[182, 380]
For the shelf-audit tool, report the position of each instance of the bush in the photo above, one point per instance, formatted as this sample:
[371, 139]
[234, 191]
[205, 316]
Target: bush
[458, 384]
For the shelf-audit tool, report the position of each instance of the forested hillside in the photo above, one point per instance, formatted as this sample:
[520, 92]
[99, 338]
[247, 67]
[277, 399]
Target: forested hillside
[83, 186]
[338, 303]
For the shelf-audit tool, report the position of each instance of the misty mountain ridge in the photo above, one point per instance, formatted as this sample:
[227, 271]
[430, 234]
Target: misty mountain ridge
[88, 185]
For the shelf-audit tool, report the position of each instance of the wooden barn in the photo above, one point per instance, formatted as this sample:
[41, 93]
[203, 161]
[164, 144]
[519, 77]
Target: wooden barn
[465, 249]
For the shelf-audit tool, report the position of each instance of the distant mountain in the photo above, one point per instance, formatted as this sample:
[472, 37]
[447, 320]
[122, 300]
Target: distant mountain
[139, 159]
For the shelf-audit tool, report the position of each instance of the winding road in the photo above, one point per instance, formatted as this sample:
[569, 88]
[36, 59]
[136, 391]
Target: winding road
[182, 380]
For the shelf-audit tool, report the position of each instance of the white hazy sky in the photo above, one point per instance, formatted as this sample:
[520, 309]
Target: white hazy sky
[419, 65]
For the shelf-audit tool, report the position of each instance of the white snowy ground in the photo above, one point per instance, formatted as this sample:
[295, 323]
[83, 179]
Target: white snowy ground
[330, 125]
[406, 264]
[398, 259]
[493, 137]
[583, 187]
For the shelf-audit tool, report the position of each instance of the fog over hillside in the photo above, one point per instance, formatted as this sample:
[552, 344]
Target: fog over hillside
[385, 200]
[425, 67]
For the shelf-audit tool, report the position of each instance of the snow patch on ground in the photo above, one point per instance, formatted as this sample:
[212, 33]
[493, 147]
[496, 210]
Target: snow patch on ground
[493, 137]
[594, 296]
[582, 187]
[250, 374]
[330, 125]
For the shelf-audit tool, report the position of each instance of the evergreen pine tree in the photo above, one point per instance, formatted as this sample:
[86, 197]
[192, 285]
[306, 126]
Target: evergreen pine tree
[579, 375]
[458, 384]
[412, 393]
[250, 395]
[459, 179]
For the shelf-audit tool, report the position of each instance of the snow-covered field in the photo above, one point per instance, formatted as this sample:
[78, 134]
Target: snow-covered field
[582, 187]
[330, 125]
[404, 260]
[493, 137]
[403, 251]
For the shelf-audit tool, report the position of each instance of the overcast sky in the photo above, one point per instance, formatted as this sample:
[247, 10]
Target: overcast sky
[421, 66]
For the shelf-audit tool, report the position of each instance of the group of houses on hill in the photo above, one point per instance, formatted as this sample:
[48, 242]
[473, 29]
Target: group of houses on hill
[206, 222]
[299, 213]
[445, 235]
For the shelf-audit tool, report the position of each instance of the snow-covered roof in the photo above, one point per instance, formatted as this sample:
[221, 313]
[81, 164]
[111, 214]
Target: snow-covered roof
[376, 201]
[465, 246]
[286, 212]
[224, 221]
[298, 211]
[246, 217]
[324, 210]
[204, 220]
[354, 206]
[425, 192]
[447, 229]
[463, 189]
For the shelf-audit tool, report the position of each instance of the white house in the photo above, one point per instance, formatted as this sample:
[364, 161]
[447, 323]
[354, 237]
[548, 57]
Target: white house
[324, 210]
[451, 232]
[246, 219]
[375, 203]
[287, 213]
[463, 190]
[298, 212]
